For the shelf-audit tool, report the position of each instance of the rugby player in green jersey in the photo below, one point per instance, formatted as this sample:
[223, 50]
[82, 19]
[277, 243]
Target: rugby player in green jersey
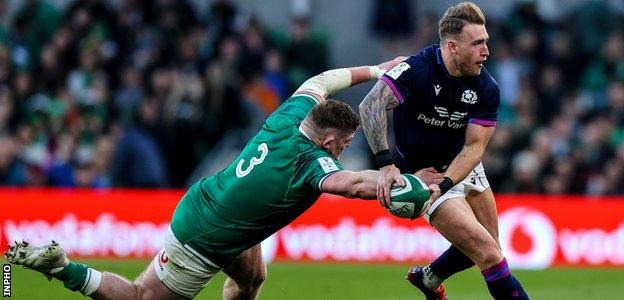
[220, 221]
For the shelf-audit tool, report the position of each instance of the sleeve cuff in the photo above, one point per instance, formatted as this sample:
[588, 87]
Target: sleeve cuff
[486, 123]
[392, 87]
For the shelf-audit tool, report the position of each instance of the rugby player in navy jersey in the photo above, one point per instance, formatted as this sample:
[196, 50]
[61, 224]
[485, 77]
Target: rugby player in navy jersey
[445, 107]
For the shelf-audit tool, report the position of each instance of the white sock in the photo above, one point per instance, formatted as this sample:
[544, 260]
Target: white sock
[94, 278]
[431, 280]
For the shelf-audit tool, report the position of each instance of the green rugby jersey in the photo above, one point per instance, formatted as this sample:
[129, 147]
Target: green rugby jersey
[276, 177]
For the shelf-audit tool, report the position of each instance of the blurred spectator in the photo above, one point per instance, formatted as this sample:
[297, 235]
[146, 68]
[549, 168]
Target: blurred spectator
[138, 161]
[307, 52]
[129, 94]
[13, 172]
[274, 74]
[62, 170]
[34, 24]
[392, 19]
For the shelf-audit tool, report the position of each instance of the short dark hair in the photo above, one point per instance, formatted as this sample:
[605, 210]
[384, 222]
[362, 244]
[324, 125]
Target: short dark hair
[335, 114]
[457, 16]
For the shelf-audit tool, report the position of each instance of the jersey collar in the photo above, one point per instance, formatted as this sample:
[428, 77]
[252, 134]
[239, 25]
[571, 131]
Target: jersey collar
[440, 62]
[304, 134]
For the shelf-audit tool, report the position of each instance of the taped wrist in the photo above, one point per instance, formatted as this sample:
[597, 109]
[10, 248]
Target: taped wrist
[376, 72]
[445, 185]
[384, 158]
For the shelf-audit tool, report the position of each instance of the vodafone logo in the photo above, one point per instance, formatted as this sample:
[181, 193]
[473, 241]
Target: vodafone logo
[528, 238]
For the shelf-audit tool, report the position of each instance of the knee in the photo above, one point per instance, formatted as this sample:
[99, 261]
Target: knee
[252, 282]
[483, 252]
[258, 277]
[490, 256]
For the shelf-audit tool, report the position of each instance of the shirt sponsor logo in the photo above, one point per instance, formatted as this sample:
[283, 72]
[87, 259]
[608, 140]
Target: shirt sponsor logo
[469, 96]
[398, 70]
[439, 122]
[455, 116]
[327, 164]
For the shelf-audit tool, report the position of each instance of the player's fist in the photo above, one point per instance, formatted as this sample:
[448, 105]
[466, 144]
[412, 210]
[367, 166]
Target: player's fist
[388, 176]
[429, 175]
[435, 192]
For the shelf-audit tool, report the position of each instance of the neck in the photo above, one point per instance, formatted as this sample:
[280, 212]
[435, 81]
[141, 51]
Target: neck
[311, 131]
[449, 62]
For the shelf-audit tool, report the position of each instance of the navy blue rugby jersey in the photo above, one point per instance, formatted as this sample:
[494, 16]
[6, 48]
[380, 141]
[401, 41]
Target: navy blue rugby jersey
[435, 108]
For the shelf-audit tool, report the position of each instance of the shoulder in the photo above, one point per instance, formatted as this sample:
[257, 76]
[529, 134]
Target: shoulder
[487, 84]
[425, 58]
[486, 81]
[293, 110]
[415, 65]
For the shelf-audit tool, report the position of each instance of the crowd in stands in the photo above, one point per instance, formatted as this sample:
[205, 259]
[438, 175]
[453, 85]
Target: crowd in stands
[135, 94]
[560, 70]
[561, 121]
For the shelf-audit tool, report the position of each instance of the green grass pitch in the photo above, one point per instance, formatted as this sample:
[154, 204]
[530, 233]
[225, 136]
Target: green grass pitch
[355, 281]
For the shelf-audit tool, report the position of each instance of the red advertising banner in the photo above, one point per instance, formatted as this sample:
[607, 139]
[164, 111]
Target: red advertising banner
[536, 231]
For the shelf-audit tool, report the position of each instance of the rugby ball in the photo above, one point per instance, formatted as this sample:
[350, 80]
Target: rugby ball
[408, 200]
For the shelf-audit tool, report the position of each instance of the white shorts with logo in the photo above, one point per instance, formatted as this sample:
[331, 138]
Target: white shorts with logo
[475, 181]
[180, 270]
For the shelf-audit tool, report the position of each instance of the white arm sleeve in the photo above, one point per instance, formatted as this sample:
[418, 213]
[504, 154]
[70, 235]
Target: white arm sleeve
[327, 82]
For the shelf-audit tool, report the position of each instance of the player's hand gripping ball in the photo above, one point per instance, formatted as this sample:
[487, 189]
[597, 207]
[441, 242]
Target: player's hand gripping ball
[408, 200]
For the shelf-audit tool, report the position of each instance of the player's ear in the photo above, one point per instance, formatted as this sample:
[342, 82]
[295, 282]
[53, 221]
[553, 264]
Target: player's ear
[451, 44]
[327, 140]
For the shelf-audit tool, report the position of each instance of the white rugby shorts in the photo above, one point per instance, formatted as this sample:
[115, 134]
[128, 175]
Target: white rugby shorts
[476, 181]
[181, 271]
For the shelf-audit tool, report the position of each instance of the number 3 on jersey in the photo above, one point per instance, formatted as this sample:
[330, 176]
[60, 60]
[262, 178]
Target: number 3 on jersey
[240, 173]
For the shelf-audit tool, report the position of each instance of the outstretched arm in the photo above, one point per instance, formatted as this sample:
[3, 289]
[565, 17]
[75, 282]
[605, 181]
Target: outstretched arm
[329, 82]
[351, 184]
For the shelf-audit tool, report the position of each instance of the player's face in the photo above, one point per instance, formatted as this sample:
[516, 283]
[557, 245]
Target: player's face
[472, 49]
[339, 143]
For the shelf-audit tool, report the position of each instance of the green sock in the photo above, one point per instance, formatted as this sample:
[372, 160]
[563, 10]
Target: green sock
[73, 276]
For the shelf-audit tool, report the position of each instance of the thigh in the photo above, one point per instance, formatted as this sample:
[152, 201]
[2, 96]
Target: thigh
[246, 266]
[483, 206]
[150, 286]
[180, 270]
[456, 222]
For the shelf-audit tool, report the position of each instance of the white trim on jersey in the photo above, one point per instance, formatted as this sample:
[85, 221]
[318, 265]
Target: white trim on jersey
[320, 184]
[303, 132]
[204, 259]
[303, 93]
